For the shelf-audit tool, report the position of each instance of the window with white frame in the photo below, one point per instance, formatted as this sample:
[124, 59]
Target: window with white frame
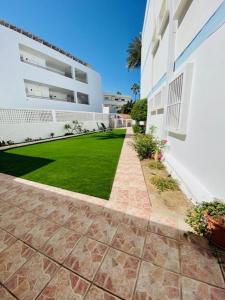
[178, 101]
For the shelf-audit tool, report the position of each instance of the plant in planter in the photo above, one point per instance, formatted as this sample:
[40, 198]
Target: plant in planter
[208, 219]
[68, 128]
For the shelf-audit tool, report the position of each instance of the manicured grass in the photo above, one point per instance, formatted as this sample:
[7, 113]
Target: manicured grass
[85, 164]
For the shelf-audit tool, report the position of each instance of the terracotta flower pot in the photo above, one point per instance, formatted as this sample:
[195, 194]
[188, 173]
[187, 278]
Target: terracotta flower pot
[216, 232]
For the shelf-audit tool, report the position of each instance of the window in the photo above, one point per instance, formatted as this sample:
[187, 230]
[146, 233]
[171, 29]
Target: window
[81, 76]
[82, 98]
[178, 101]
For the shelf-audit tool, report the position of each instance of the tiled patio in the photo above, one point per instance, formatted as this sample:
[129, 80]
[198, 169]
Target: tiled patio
[59, 245]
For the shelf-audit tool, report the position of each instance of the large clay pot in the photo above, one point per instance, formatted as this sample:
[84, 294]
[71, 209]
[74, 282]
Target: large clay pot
[216, 232]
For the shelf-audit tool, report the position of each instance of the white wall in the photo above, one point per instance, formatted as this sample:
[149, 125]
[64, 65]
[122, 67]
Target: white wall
[13, 72]
[196, 158]
[18, 124]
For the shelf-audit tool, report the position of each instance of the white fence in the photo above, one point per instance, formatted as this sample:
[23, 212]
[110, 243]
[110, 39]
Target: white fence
[18, 124]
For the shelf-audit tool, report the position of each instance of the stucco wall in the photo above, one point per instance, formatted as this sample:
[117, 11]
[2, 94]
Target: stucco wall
[13, 72]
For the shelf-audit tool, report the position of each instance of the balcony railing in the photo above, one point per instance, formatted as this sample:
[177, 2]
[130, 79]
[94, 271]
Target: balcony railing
[46, 68]
[69, 99]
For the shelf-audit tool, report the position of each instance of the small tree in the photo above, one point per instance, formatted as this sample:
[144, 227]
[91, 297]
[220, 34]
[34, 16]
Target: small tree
[139, 110]
[126, 108]
[135, 88]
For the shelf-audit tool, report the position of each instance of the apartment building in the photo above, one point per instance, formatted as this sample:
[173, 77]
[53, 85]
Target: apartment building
[41, 83]
[114, 101]
[182, 74]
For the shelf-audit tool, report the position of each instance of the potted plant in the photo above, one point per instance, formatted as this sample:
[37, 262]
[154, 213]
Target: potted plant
[208, 219]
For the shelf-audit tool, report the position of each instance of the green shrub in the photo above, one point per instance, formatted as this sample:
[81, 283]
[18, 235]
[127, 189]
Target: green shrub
[139, 110]
[145, 145]
[165, 184]
[138, 129]
[155, 164]
[195, 216]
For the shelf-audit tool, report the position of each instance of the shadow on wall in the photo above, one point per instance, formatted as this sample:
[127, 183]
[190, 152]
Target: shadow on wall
[19, 165]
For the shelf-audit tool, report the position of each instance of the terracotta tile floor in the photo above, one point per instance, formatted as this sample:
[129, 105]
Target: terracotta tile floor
[60, 245]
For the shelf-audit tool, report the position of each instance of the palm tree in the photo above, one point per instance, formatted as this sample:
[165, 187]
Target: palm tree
[135, 88]
[134, 53]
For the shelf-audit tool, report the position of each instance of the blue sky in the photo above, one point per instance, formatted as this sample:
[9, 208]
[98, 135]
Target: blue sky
[97, 31]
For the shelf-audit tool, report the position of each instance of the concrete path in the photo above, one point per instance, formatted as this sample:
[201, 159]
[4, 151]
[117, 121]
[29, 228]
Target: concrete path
[60, 245]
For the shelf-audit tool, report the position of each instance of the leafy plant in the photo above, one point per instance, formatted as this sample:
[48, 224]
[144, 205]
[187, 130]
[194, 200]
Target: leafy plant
[134, 53]
[196, 216]
[126, 108]
[28, 139]
[2, 143]
[77, 127]
[68, 127]
[52, 134]
[139, 110]
[10, 142]
[156, 164]
[165, 183]
[145, 145]
[138, 129]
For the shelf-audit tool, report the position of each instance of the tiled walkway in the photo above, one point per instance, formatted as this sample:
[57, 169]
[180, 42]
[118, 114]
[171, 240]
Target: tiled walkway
[56, 247]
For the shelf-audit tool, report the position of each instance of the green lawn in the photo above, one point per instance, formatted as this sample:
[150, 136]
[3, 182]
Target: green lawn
[85, 164]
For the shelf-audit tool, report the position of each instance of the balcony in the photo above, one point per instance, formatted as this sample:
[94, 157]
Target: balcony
[40, 60]
[42, 91]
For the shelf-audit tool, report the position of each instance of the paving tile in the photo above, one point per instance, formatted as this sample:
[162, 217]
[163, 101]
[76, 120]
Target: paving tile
[157, 283]
[65, 286]
[96, 293]
[80, 222]
[44, 209]
[60, 215]
[200, 264]
[12, 258]
[162, 251]
[40, 233]
[86, 257]
[23, 224]
[10, 216]
[196, 240]
[30, 204]
[129, 239]
[164, 225]
[4, 207]
[6, 240]
[61, 244]
[5, 295]
[196, 290]
[118, 273]
[135, 221]
[103, 227]
[32, 277]
[221, 261]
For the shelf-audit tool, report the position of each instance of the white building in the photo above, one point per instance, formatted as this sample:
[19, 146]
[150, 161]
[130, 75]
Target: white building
[182, 76]
[35, 75]
[115, 101]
